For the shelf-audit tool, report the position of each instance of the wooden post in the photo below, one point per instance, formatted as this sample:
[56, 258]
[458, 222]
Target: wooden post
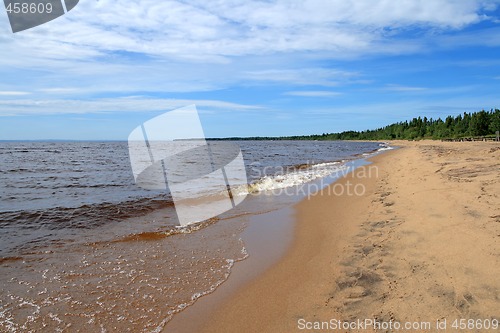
[498, 135]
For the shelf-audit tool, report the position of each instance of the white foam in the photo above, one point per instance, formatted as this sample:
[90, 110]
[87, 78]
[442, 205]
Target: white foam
[296, 178]
[384, 146]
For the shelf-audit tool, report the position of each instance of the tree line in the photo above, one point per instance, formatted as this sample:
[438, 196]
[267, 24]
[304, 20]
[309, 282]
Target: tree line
[481, 123]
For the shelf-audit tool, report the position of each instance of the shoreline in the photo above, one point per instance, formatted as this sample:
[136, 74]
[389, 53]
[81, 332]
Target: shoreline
[267, 237]
[367, 257]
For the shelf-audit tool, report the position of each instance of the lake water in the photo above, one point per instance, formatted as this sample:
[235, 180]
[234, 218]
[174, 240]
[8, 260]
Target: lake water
[82, 247]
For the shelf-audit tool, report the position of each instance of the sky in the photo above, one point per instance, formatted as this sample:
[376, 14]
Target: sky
[252, 68]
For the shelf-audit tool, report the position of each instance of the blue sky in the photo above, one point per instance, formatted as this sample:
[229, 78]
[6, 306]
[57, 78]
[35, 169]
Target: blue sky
[253, 68]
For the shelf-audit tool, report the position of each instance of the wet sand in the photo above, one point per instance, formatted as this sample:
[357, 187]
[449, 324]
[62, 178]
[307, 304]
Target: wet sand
[266, 238]
[421, 244]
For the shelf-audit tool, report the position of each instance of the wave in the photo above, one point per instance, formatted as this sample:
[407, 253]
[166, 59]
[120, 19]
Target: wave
[384, 146]
[93, 215]
[303, 174]
[90, 216]
[83, 217]
[157, 235]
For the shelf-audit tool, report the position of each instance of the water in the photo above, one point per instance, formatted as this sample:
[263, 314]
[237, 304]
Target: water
[82, 247]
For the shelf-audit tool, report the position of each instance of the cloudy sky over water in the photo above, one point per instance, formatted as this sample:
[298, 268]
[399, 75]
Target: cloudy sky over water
[251, 67]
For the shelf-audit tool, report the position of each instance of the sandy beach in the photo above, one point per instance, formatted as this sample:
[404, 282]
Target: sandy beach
[417, 243]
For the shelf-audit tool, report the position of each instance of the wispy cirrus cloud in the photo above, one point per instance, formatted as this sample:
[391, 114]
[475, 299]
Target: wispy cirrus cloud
[59, 90]
[13, 93]
[394, 111]
[303, 76]
[397, 87]
[107, 105]
[313, 93]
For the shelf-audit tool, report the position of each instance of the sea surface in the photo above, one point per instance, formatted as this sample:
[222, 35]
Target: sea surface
[83, 248]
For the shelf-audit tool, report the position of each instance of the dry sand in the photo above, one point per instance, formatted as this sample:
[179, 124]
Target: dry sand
[422, 244]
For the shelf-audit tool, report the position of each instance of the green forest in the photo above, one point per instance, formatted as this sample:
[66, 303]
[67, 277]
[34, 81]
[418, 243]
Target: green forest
[466, 125]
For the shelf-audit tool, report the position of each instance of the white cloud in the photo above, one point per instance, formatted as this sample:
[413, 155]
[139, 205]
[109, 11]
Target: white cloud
[178, 46]
[59, 90]
[13, 93]
[122, 104]
[397, 87]
[432, 91]
[303, 76]
[313, 93]
[214, 29]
